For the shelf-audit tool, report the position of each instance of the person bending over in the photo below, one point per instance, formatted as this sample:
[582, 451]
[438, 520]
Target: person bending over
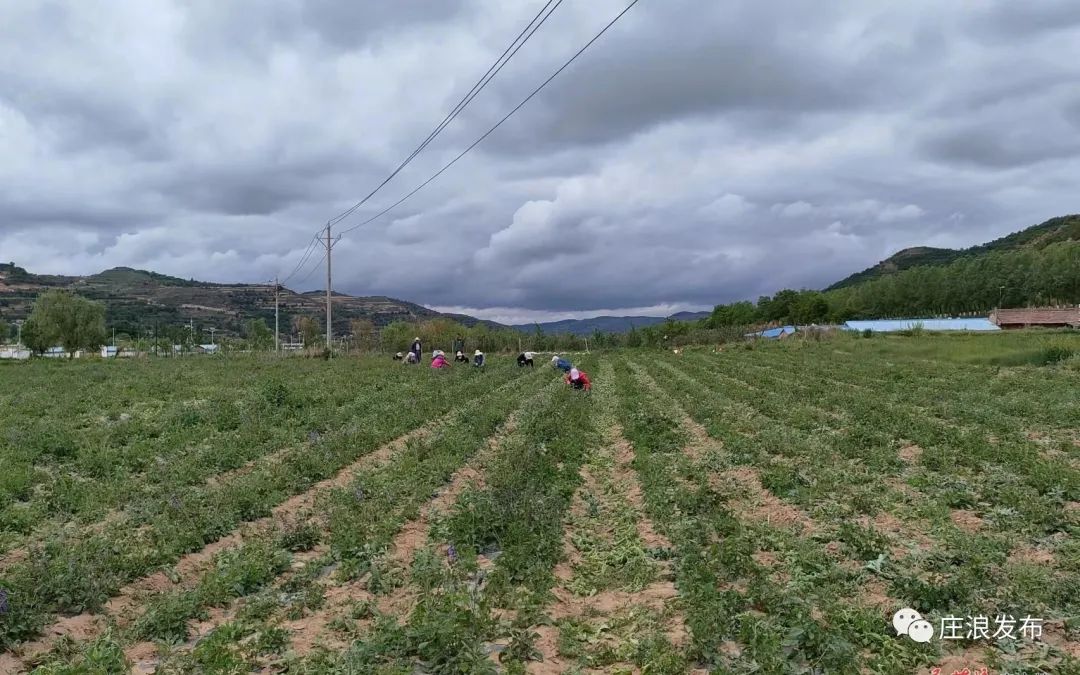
[439, 360]
[561, 363]
[578, 379]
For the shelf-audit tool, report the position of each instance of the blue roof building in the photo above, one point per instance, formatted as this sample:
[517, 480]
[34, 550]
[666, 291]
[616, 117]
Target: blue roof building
[773, 333]
[893, 325]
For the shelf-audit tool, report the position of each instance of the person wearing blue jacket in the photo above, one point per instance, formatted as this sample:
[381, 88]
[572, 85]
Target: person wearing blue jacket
[561, 363]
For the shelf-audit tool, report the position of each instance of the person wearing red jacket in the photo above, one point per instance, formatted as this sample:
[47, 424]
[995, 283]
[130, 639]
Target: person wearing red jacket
[439, 361]
[578, 379]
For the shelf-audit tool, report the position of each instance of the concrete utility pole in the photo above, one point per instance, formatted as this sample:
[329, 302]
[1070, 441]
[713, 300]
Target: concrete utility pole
[18, 326]
[329, 288]
[212, 335]
[277, 288]
[329, 330]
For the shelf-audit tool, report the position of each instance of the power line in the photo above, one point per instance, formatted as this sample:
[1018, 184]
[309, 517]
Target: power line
[512, 49]
[304, 258]
[497, 124]
[312, 270]
[504, 58]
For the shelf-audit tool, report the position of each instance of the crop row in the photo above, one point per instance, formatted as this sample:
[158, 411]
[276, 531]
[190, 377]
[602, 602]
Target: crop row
[838, 473]
[73, 573]
[486, 574]
[741, 613]
[351, 527]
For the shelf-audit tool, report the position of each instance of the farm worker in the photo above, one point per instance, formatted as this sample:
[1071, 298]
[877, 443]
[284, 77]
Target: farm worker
[459, 345]
[416, 349]
[525, 359]
[411, 358]
[560, 363]
[460, 357]
[578, 379]
[440, 360]
[478, 359]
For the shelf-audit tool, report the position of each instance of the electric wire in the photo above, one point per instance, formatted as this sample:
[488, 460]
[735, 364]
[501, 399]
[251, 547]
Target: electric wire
[497, 124]
[504, 58]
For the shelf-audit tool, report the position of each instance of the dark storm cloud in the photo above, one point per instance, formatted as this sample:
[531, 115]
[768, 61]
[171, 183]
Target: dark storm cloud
[767, 69]
[1004, 19]
[996, 147]
[698, 153]
[347, 23]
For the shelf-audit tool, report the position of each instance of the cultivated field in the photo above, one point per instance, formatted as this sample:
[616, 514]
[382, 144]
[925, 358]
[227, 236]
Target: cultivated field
[760, 510]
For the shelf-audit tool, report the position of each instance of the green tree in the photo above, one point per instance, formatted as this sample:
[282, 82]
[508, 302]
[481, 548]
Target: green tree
[308, 330]
[809, 307]
[258, 334]
[363, 334]
[737, 314]
[70, 321]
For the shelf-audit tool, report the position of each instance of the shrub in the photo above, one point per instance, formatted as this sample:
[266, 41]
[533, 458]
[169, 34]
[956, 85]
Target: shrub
[1054, 354]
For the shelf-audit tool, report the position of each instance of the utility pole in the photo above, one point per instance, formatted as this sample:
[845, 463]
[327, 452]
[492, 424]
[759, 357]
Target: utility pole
[18, 326]
[277, 288]
[329, 285]
[212, 329]
[329, 330]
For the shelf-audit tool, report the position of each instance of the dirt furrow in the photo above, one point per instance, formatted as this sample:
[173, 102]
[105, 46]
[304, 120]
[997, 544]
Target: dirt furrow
[313, 629]
[413, 535]
[123, 607]
[609, 477]
[115, 515]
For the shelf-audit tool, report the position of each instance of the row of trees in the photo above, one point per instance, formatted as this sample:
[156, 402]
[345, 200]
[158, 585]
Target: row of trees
[787, 306]
[1011, 278]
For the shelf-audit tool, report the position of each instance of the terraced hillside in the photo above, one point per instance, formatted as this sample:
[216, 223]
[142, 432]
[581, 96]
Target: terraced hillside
[759, 510]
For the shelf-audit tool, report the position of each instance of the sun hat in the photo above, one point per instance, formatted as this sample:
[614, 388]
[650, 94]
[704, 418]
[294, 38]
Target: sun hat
[574, 373]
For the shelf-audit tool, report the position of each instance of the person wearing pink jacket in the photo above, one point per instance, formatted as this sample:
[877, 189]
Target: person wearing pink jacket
[439, 361]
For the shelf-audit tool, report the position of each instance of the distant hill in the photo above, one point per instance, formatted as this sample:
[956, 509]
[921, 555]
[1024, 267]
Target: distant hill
[1064, 228]
[689, 316]
[606, 324]
[138, 300]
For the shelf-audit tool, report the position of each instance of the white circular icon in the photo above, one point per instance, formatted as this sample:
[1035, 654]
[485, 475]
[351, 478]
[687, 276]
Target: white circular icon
[921, 631]
[903, 619]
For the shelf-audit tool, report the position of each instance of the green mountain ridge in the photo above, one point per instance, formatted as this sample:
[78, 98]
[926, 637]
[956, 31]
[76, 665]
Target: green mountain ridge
[1063, 228]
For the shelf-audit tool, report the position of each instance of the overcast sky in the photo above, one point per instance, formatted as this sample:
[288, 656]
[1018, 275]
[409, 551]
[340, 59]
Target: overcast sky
[700, 152]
